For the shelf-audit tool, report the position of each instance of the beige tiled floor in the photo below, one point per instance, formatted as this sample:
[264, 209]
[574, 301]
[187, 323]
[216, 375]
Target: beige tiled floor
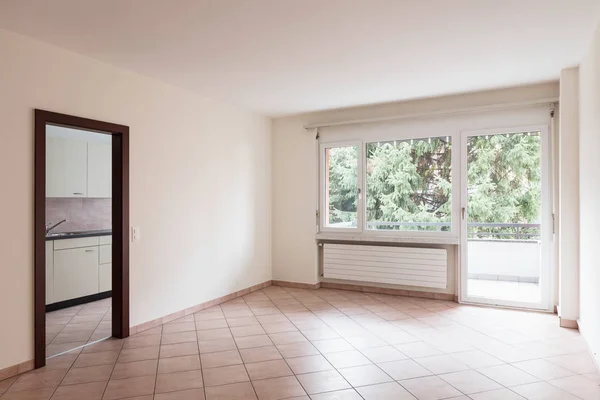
[75, 326]
[281, 343]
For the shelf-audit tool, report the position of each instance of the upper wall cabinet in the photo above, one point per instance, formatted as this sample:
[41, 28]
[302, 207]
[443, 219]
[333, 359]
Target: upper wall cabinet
[78, 163]
[66, 167]
[99, 168]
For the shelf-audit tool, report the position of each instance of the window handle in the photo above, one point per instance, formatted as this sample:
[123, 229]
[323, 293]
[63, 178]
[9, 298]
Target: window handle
[359, 193]
[463, 213]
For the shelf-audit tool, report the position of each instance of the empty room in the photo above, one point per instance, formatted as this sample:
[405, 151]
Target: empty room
[300, 199]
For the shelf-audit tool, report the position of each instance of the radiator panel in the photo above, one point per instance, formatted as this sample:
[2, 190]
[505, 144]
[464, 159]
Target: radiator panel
[409, 266]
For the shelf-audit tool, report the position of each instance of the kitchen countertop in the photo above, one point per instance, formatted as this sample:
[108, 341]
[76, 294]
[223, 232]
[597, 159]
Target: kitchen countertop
[76, 235]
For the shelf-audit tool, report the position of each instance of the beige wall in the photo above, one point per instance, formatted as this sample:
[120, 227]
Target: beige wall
[295, 255]
[589, 195]
[200, 184]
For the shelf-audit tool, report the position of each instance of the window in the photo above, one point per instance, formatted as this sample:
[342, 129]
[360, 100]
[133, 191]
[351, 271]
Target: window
[341, 186]
[409, 185]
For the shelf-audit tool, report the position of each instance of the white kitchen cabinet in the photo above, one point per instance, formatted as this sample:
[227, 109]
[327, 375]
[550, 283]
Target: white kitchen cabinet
[49, 272]
[104, 277]
[99, 169]
[105, 254]
[66, 167]
[75, 273]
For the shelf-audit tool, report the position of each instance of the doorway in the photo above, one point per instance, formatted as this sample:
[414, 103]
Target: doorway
[506, 221]
[81, 270]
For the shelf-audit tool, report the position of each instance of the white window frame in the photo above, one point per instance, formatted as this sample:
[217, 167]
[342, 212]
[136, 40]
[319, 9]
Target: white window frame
[323, 206]
[443, 236]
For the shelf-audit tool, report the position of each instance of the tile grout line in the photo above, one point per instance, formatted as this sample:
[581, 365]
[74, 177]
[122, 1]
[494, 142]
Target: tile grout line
[237, 347]
[319, 351]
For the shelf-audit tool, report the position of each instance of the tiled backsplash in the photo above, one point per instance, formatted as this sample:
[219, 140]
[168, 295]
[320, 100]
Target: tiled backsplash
[81, 214]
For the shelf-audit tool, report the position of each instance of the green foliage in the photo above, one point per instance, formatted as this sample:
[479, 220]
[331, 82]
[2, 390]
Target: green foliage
[410, 182]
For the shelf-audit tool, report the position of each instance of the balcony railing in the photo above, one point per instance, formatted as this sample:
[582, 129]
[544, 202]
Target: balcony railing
[476, 230]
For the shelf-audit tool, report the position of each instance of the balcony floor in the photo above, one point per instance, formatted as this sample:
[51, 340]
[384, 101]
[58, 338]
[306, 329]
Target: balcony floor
[504, 290]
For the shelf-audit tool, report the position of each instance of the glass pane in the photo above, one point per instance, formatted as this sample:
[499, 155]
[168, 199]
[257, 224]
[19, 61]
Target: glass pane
[409, 185]
[504, 208]
[341, 180]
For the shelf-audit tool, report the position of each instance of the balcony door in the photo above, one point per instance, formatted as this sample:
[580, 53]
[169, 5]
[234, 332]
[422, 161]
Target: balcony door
[506, 220]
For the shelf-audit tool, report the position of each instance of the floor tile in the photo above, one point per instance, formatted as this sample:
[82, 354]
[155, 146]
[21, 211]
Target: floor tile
[385, 391]
[91, 359]
[500, 394]
[507, 375]
[297, 350]
[248, 330]
[418, 349]
[141, 341]
[87, 391]
[404, 369]
[332, 345]
[542, 391]
[131, 387]
[38, 380]
[543, 369]
[303, 365]
[211, 346]
[139, 354]
[345, 359]
[324, 381]
[430, 388]
[347, 394]
[287, 337]
[477, 359]
[441, 364]
[578, 386]
[179, 381]
[365, 375]
[383, 354]
[258, 354]
[33, 394]
[248, 342]
[211, 324]
[268, 369]
[133, 369]
[242, 321]
[579, 363]
[470, 381]
[191, 394]
[234, 391]
[179, 327]
[178, 364]
[278, 388]
[98, 373]
[225, 375]
[179, 337]
[211, 334]
[220, 359]
[178, 349]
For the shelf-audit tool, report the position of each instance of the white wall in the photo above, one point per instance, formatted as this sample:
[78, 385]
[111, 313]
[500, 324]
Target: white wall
[295, 170]
[200, 184]
[589, 195]
[568, 191]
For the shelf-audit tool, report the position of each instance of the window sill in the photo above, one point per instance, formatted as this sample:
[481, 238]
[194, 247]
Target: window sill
[355, 237]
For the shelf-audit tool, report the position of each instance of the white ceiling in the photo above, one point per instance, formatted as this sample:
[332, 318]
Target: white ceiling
[282, 57]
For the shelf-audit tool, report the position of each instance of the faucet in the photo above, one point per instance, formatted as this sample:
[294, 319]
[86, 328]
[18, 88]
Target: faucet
[51, 226]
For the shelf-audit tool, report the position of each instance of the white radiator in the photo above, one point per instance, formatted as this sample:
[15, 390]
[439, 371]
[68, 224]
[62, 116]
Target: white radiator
[407, 266]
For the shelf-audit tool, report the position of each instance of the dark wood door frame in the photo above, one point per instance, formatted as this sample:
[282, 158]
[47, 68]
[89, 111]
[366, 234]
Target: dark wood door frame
[120, 222]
